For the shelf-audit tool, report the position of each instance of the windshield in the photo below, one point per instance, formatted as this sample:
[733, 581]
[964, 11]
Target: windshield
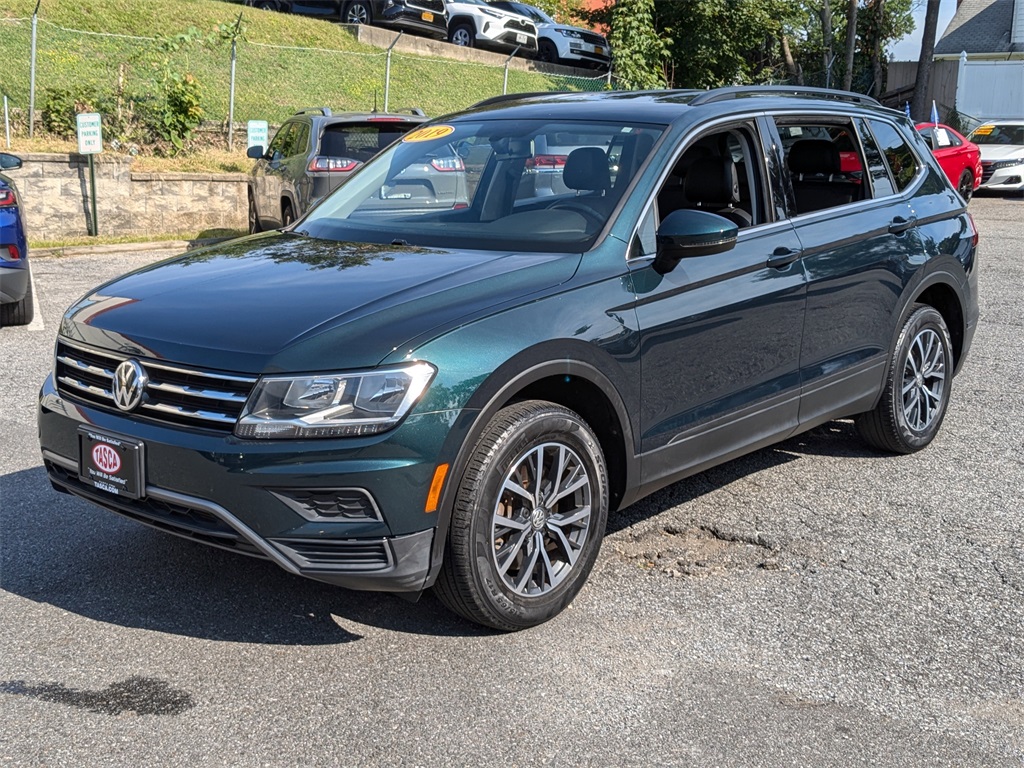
[526, 185]
[534, 13]
[998, 134]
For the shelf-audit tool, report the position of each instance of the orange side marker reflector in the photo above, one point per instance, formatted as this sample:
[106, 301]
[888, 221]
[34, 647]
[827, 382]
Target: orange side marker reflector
[434, 497]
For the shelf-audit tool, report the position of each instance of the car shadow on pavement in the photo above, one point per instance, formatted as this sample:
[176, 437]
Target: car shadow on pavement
[62, 551]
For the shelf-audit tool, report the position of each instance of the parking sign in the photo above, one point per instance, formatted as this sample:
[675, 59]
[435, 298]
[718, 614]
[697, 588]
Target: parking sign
[90, 133]
[257, 131]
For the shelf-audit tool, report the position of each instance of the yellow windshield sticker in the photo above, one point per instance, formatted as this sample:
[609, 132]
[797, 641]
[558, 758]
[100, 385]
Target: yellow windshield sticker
[984, 130]
[429, 133]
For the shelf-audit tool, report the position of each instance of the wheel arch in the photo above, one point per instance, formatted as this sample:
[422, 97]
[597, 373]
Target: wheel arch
[549, 372]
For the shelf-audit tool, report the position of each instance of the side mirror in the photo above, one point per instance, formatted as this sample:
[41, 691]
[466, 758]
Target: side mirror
[255, 152]
[688, 233]
[9, 162]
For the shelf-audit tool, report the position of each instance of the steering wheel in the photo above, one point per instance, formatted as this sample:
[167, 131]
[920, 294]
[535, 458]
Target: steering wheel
[591, 214]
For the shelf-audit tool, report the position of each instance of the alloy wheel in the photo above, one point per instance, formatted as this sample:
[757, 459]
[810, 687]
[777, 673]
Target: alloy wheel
[924, 380]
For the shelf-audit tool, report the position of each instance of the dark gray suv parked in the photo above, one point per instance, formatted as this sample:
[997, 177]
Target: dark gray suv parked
[310, 155]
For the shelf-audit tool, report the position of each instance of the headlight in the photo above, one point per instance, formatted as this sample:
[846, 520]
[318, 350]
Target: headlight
[571, 33]
[1000, 164]
[333, 405]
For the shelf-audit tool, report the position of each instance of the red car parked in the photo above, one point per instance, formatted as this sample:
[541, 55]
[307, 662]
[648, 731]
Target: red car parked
[959, 158]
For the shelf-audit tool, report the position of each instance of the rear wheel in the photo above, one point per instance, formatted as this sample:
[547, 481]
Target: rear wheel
[966, 185]
[358, 13]
[20, 312]
[462, 34]
[528, 520]
[917, 391]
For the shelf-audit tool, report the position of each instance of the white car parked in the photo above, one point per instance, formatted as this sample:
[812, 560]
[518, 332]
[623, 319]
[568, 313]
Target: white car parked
[563, 43]
[476, 23]
[1002, 155]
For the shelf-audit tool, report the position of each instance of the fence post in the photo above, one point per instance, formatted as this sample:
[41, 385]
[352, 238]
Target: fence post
[32, 73]
[387, 72]
[7, 122]
[504, 86]
[231, 102]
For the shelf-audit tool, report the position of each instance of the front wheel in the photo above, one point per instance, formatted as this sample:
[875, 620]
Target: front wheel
[547, 52]
[254, 217]
[462, 34]
[917, 390]
[528, 519]
[287, 215]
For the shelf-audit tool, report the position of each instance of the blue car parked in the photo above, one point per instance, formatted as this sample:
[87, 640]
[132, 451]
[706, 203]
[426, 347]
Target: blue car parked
[15, 281]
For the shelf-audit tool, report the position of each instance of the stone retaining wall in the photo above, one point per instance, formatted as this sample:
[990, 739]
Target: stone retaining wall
[54, 190]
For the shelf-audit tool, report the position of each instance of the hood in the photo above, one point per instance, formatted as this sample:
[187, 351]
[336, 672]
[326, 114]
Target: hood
[993, 152]
[283, 302]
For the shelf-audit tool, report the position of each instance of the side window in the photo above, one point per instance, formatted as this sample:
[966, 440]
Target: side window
[878, 172]
[300, 144]
[824, 162]
[721, 173]
[898, 154]
[281, 141]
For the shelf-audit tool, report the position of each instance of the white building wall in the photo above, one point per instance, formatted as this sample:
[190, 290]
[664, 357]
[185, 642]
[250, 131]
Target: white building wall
[1017, 29]
[988, 90]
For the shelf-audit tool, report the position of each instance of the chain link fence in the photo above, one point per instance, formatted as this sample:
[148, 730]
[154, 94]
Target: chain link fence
[125, 75]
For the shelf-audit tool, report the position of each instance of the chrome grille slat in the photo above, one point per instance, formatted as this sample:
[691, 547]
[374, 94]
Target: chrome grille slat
[84, 387]
[206, 394]
[175, 394]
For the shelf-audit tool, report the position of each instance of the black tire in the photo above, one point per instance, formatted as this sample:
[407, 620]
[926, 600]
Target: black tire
[358, 12]
[966, 185]
[917, 389]
[287, 214]
[547, 52]
[462, 34]
[20, 312]
[527, 568]
[254, 217]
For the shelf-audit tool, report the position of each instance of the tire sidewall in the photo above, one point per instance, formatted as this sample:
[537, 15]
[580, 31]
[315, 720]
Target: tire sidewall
[922, 319]
[481, 493]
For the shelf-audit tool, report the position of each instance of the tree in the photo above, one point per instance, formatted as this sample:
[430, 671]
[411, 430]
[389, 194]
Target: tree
[919, 101]
[639, 50]
[851, 43]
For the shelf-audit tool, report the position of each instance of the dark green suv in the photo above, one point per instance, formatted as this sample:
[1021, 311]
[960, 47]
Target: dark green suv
[394, 399]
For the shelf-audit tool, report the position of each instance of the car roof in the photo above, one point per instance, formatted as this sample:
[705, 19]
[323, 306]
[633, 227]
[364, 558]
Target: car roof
[664, 106]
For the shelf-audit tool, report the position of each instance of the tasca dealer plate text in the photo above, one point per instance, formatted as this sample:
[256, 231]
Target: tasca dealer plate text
[111, 463]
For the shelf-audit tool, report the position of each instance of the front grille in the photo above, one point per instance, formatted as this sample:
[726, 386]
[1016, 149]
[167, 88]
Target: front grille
[436, 6]
[590, 37]
[338, 554]
[987, 169]
[179, 519]
[521, 26]
[174, 394]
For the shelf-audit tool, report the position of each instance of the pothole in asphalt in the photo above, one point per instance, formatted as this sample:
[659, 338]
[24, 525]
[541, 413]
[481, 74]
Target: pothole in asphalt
[699, 550]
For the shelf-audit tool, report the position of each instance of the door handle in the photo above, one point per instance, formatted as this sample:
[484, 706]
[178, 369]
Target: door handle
[899, 224]
[782, 257]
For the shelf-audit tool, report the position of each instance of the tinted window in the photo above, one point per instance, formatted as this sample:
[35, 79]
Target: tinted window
[878, 171]
[897, 153]
[824, 161]
[281, 140]
[998, 134]
[938, 137]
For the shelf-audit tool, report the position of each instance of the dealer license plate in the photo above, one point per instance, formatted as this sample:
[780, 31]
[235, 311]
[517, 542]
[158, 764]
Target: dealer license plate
[427, 16]
[521, 38]
[110, 463]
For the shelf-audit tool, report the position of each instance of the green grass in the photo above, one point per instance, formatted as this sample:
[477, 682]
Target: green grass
[271, 83]
[75, 242]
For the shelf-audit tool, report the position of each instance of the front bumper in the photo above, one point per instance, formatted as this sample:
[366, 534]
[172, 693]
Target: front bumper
[232, 494]
[1007, 179]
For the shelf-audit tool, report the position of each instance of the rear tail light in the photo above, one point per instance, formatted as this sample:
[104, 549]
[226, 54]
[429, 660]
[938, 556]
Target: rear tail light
[386, 119]
[9, 253]
[319, 164]
[445, 164]
[546, 161]
[974, 229]
[6, 198]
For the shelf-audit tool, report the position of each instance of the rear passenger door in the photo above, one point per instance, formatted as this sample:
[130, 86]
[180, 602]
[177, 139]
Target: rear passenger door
[854, 229]
[720, 334]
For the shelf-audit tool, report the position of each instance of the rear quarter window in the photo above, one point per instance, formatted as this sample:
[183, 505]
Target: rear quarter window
[898, 156]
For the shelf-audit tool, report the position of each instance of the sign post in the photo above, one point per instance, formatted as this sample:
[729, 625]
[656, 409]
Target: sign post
[90, 142]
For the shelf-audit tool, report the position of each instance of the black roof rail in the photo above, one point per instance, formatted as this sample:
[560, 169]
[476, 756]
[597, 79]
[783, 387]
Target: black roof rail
[516, 96]
[740, 91]
[325, 111]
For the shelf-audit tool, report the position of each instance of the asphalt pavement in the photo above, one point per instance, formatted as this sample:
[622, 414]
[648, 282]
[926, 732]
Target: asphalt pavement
[813, 604]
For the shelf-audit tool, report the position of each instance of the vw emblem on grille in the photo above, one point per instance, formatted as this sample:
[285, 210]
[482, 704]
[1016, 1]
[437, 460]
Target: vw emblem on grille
[130, 381]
